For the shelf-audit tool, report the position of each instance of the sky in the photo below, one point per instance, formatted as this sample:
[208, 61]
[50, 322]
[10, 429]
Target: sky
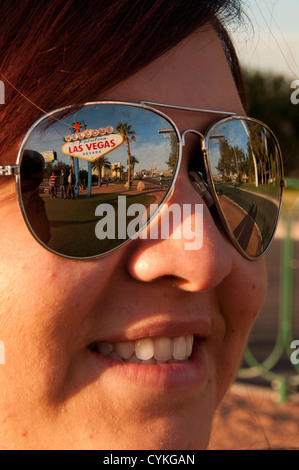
[152, 145]
[272, 42]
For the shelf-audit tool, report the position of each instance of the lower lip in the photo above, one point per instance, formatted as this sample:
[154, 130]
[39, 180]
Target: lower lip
[159, 376]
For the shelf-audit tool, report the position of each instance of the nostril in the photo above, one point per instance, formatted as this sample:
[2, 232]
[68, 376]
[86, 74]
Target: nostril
[201, 187]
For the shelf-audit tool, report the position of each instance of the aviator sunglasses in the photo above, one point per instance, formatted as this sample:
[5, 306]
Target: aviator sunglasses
[77, 163]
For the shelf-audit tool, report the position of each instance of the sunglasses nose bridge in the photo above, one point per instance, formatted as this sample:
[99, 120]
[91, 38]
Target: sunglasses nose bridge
[196, 177]
[191, 131]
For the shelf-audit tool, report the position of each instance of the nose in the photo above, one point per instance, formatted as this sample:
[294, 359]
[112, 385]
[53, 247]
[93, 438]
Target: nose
[196, 267]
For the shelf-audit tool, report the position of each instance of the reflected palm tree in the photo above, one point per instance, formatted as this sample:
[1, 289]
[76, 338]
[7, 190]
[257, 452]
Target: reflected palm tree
[99, 165]
[118, 169]
[133, 162]
[129, 135]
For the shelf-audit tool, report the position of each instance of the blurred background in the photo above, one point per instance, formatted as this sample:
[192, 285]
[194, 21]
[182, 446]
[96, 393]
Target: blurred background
[261, 411]
[268, 48]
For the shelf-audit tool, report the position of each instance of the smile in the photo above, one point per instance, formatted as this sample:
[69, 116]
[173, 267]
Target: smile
[163, 350]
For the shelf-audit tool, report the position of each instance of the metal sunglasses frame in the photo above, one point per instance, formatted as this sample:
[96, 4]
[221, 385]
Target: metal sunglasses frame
[206, 190]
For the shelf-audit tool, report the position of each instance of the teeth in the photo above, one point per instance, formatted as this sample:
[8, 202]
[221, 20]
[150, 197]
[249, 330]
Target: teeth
[179, 348]
[115, 356]
[144, 349]
[189, 345]
[105, 348]
[149, 351]
[163, 349]
[125, 350]
[134, 359]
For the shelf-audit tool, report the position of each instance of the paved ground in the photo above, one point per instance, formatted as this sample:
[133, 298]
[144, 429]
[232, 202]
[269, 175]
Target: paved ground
[249, 419]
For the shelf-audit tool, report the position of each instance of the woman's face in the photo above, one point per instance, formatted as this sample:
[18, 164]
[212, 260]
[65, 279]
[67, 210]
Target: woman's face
[56, 392]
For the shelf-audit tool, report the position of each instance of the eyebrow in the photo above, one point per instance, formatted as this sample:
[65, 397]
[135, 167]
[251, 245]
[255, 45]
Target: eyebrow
[186, 108]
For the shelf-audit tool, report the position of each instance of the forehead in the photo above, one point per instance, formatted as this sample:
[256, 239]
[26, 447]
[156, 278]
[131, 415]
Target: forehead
[195, 73]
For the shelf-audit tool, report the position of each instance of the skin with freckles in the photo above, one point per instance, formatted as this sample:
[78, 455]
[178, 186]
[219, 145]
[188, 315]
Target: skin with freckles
[54, 392]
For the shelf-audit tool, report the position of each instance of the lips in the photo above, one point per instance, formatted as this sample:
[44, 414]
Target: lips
[156, 352]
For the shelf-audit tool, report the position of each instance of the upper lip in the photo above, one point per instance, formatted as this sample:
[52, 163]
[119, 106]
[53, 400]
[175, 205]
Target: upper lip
[161, 327]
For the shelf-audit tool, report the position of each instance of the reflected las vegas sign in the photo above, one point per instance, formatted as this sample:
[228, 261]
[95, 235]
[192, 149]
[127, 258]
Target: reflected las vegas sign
[92, 143]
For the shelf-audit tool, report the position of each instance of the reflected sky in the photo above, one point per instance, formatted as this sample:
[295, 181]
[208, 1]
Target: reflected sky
[152, 146]
[234, 133]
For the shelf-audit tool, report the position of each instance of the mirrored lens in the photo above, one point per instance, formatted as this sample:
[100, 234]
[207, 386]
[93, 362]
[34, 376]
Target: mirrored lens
[92, 177]
[246, 169]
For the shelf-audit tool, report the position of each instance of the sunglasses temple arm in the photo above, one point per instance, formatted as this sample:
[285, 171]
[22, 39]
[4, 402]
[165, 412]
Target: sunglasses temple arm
[9, 170]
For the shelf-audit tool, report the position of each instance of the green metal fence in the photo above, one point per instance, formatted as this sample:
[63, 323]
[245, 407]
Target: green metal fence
[287, 381]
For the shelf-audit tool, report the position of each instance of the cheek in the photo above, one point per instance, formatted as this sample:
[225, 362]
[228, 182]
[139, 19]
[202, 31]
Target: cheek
[45, 298]
[242, 295]
[40, 293]
[246, 289]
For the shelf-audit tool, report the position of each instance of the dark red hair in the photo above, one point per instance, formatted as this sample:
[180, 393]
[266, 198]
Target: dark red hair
[53, 51]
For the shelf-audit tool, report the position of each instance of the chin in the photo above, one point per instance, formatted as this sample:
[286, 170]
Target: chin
[180, 430]
[171, 438]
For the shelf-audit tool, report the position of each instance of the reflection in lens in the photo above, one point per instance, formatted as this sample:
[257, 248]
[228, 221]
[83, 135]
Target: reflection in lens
[77, 163]
[245, 166]
[32, 171]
